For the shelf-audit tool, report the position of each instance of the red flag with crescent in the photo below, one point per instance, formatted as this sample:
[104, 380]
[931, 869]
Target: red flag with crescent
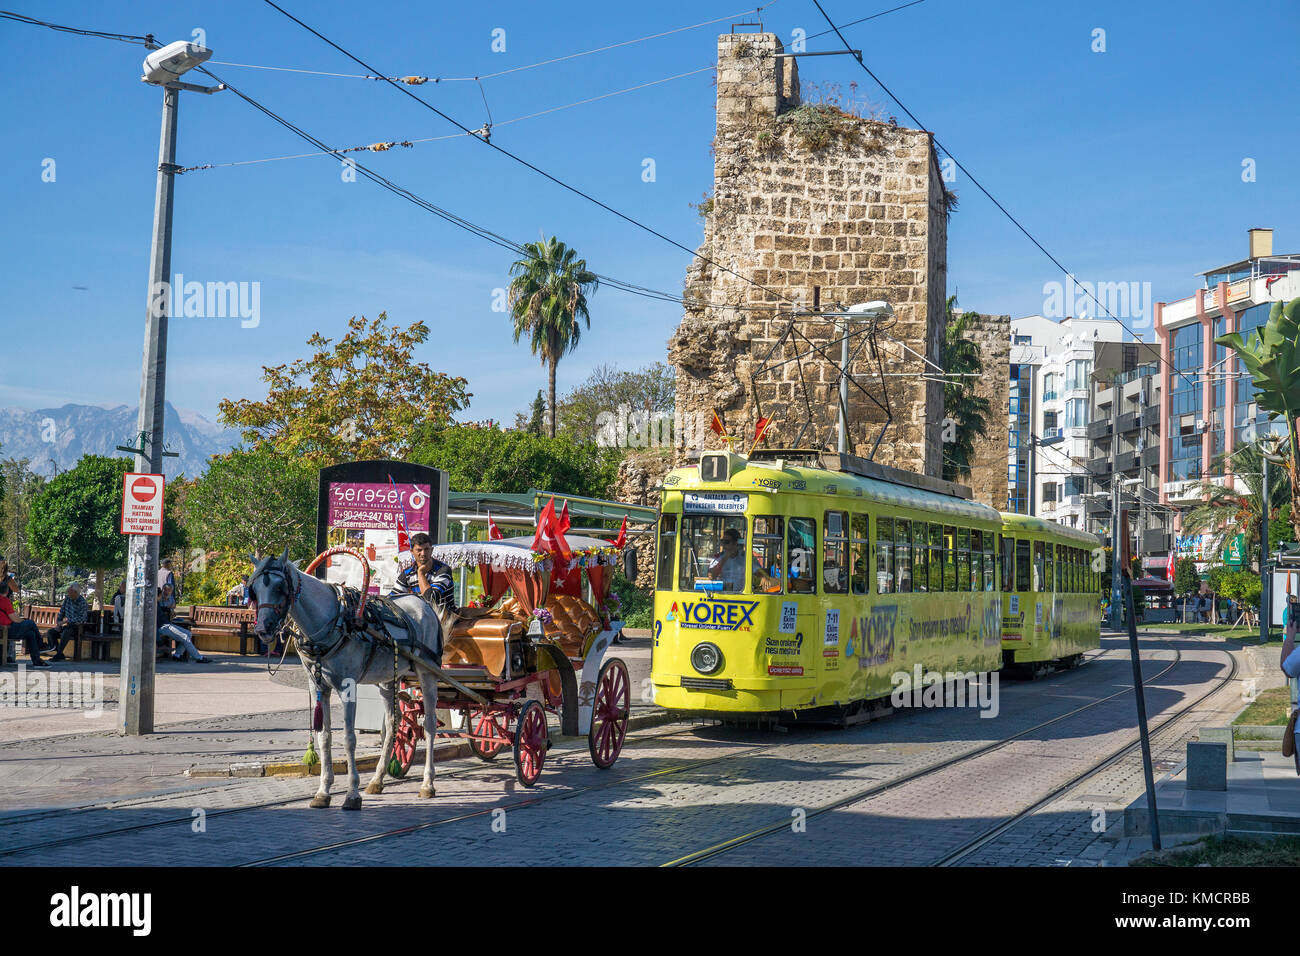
[621, 540]
[760, 427]
[494, 533]
[717, 424]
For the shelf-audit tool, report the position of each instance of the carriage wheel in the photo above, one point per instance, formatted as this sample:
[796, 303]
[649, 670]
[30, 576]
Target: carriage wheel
[485, 725]
[410, 731]
[531, 743]
[609, 714]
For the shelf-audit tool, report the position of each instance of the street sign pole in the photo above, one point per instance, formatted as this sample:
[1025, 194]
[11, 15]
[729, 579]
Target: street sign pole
[140, 625]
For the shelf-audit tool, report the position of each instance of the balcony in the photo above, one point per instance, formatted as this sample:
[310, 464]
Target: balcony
[1097, 430]
[1097, 508]
[1099, 466]
[1152, 540]
[1150, 416]
[1127, 461]
[1051, 395]
[1128, 422]
[1151, 457]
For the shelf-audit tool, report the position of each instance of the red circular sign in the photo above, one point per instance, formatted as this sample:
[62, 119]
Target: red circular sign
[143, 489]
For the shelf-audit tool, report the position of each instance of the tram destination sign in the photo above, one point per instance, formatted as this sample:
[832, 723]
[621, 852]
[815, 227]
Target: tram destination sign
[713, 503]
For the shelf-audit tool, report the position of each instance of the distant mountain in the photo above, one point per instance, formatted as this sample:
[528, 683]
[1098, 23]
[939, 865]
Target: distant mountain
[65, 434]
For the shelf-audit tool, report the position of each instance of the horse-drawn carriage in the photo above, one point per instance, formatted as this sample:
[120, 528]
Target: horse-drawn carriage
[515, 660]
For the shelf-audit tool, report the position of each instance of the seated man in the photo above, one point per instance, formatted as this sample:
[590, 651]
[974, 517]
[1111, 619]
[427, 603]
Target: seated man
[177, 633]
[428, 578]
[71, 619]
[729, 566]
[21, 629]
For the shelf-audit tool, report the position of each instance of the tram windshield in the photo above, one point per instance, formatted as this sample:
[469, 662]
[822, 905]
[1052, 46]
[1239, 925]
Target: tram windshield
[712, 553]
[769, 545]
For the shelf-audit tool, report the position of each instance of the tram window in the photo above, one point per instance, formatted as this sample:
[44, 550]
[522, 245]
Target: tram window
[712, 553]
[963, 559]
[920, 557]
[990, 578]
[1074, 571]
[1039, 560]
[885, 555]
[1049, 579]
[667, 550]
[936, 557]
[835, 549]
[801, 556]
[949, 558]
[769, 548]
[903, 555]
[976, 560]
[1008, 563]
[861, 545]
[1022, 565]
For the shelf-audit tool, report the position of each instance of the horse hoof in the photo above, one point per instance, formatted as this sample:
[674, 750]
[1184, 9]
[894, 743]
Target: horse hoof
[375, 788]
[352, 803]
[427, 792]
[320, 801]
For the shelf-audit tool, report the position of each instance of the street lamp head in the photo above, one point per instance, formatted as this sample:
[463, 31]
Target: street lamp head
[871, 310]
[173, 61]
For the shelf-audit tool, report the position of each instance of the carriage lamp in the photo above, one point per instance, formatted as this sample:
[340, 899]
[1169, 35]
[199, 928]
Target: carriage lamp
[706, 658]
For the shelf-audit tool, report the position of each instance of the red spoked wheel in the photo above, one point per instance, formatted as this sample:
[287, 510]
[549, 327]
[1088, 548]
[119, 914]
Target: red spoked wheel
[485, 725]
[410, 730]
[609, 713]
[531, 743]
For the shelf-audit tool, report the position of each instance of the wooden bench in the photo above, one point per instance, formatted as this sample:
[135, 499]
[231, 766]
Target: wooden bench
[222, 628]
[100, 645]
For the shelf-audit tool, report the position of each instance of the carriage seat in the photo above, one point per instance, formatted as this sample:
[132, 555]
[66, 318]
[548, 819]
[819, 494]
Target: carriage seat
[574, 621]
[483, 643]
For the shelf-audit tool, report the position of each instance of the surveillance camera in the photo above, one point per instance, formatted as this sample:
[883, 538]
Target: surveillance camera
[172, 61]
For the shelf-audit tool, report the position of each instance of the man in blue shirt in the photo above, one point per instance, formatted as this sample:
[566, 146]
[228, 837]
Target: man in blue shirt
[426, 576]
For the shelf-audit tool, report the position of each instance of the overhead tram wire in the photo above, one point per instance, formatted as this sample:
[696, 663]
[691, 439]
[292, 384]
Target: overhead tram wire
[980, 186]
[98, 34]
[421, 80]
[469, 226]
[537, 169]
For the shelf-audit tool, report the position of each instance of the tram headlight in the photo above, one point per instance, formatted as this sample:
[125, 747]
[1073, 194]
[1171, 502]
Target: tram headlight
[706, 658]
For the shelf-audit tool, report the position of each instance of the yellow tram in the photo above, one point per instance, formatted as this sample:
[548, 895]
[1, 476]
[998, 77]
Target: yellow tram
[785, 583]
[1050, 592]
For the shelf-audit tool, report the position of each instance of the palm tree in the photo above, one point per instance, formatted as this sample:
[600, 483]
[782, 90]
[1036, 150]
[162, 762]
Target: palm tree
[548, 295]
[968, 412]
[1226, 512]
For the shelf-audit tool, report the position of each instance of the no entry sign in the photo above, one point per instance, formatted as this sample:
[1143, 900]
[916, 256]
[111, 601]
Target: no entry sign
[142, 503]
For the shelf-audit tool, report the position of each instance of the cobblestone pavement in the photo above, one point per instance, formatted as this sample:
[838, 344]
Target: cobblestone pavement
[675, 790]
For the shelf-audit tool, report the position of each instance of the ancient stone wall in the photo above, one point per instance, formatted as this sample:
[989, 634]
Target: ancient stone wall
[988, 477]
[817, 207]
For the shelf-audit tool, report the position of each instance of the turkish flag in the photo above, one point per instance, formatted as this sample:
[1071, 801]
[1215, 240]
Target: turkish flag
[760, 427]
[550, 539]
[494, 533]
[564, 524]
[717, 424]
[621, 540]
[1169, 566]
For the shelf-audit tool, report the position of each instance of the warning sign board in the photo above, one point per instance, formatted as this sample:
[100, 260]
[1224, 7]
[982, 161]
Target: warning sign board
[142, 504]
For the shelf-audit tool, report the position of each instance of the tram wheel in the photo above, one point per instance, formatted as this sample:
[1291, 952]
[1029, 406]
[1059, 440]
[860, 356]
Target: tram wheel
[531, 743]
[609, 713]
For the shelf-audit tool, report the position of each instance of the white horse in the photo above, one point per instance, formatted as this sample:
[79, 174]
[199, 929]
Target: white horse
[337, 658]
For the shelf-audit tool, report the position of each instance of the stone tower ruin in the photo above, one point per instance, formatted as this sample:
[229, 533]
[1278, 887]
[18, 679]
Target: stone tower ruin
[824, 208]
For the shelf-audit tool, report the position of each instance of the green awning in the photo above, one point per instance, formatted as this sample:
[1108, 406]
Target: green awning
[530, 504]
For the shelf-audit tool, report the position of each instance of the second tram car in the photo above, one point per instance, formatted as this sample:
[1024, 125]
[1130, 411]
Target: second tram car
[786, 587]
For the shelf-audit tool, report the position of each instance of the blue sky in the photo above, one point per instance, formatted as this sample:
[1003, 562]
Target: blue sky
[1127, 164]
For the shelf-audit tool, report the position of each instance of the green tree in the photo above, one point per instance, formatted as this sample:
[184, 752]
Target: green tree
[1186, 578]
[622, 409]
[1225, 512]
[254, 501]
[1272, 357]
[967, 411]
[512, 462]
[361, 397]
[21, 486]
[76, 519]
[548, 295]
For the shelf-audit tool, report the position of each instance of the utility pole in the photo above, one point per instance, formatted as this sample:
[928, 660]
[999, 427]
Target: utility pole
[1116, 549]
[1265, 576]
[163, 67]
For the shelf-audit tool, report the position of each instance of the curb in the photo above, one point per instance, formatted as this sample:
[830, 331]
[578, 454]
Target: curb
[449, 750]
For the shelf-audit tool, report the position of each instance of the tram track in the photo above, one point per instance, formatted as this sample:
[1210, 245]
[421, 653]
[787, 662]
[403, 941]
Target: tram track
[875, 790]
[993, 833]
[564, 758]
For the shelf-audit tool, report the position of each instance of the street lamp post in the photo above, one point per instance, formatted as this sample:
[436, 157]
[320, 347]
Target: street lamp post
[163, 67]
[865, 310]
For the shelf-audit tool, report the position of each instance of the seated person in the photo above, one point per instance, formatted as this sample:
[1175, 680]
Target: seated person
[21, 629]
[180, 639]
[73, 613]
[728, 565]
[425, 576]
[119, 606]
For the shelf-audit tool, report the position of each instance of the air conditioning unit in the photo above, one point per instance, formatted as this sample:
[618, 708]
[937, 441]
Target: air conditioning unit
[1200, 424]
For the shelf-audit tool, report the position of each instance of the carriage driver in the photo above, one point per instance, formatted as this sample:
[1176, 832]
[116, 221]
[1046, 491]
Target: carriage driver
[425, 576]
